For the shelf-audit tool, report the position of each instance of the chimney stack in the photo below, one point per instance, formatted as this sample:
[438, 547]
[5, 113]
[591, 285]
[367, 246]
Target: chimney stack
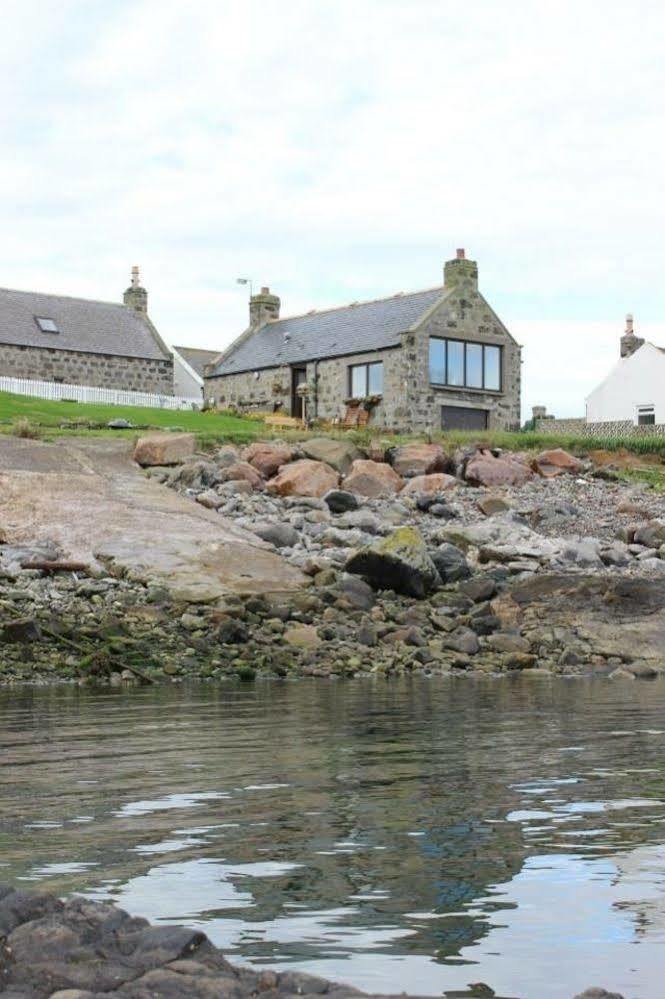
[262, 308]
[629, 342]
[135, 296]
[460, 272]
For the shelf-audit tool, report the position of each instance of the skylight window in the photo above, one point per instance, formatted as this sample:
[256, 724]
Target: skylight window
[47, 325]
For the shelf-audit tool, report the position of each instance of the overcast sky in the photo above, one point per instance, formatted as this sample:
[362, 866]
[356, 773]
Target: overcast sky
[339, 150]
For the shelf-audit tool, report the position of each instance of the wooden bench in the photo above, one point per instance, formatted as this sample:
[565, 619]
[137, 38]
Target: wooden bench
[282, 420]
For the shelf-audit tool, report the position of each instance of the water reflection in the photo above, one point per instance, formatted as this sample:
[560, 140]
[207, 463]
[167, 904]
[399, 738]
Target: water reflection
[417, 836]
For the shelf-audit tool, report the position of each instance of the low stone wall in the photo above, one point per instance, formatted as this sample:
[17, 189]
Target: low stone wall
[134, 374]
[616, 428]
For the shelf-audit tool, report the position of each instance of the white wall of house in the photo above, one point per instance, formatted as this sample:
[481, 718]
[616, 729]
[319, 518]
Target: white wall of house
[186, 382]
[634, 382]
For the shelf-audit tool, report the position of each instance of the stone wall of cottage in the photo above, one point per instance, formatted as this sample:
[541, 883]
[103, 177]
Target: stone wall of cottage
[133, 374]
[463, 315]
[270, 391]
[334, 385]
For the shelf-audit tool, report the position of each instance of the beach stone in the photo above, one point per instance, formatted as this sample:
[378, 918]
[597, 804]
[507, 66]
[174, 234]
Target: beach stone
[23, 632]
[478, 588]
[244, 472]
[341, 501]
[199, 474]
[483, 469]
[305, 477]
[450, 562]
[164, 449]
[410, 460]
[267, 457]
[357, 592]
[339, 454]
[557, 462]
[651, 534]
[398, 562]
[227, 455]
[372, 479]
[428, 485]
[489, 505]
[279, 535]
[210, 500]
[302, 636]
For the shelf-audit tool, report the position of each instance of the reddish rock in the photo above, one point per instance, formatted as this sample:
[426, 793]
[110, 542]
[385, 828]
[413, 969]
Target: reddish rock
[556, 462]
[438, 482]
[373, 479]
[376, 450]
[483, 469]
[164, 449]
[419, 459]
[242, 471]
[304, 478]
[267, 458]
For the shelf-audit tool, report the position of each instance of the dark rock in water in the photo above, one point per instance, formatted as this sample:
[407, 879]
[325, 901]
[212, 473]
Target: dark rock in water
[339, 501]
[399, 562]
[478, 588]
[279, 535]
[451, 563]
[24, 631]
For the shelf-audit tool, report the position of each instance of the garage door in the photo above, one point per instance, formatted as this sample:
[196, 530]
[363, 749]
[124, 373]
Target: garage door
[461, 418]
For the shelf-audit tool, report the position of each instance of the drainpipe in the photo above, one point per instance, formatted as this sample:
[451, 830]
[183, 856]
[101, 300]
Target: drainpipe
[316, 390]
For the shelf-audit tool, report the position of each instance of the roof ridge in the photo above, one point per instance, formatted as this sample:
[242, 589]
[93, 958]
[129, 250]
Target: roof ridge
[70, 298]
[352, 305]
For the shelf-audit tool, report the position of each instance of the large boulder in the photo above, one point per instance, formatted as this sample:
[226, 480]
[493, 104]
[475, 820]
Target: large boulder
[398, 562]
[339, 454]
[556, 462]
[242, 471]
[267, 457]
[419, 459]
[164, 449]
[373, 479]
[429, 485]
[483, 469]
[304, 478]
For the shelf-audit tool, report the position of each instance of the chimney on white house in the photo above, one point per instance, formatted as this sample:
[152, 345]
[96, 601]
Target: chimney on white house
[135, 296]
[629, 342]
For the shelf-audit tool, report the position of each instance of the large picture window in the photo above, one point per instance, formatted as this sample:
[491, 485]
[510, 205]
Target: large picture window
[465, 365]
[366, 379]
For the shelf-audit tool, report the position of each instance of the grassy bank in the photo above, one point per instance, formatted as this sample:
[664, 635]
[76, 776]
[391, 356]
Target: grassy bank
[48, 419]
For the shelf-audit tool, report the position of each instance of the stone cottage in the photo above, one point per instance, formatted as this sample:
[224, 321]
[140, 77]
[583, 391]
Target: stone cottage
[78, 341]
[434, 359]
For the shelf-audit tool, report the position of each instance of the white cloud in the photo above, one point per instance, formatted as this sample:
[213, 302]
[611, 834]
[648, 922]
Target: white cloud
[339, 151]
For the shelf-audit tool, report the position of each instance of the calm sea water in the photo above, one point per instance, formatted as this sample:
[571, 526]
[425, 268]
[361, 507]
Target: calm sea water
[419, 836]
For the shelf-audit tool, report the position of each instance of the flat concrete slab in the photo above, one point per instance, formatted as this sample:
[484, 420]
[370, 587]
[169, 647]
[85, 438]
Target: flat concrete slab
[88, 496]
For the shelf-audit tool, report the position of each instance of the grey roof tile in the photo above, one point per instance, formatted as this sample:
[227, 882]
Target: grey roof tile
[197, 358]
[85, 325]
[350, 329]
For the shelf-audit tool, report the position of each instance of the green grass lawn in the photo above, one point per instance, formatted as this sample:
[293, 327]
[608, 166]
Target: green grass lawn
[47, 416]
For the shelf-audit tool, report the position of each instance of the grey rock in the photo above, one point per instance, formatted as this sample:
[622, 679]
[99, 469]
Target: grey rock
[451, 563]
[357, 592]
[279, 535]
[463, 640]
[478, 588]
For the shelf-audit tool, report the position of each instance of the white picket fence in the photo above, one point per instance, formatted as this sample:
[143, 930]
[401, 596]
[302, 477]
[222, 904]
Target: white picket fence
[88, 393]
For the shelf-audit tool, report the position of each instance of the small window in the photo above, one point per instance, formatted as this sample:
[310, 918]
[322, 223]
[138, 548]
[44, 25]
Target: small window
[646, 416]
[47, 325]
[366, 379]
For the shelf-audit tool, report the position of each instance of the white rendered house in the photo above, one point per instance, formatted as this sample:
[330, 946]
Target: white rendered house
[634, 390]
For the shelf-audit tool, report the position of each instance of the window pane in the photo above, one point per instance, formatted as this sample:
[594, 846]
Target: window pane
[437, 361]
[358, 381]
[474, 365]
[375, 386]
[493, 368]
[455, 363]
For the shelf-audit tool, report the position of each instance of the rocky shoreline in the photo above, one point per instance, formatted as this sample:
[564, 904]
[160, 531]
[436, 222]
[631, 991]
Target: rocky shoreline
[79, 949]
[474, 563]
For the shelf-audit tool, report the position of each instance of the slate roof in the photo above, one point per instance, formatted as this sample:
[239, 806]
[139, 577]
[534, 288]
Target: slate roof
[350, 329]
[197, 358]
[85, 325]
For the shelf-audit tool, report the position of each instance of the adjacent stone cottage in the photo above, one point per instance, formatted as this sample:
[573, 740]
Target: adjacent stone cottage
[56, 338]
[433, 359]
